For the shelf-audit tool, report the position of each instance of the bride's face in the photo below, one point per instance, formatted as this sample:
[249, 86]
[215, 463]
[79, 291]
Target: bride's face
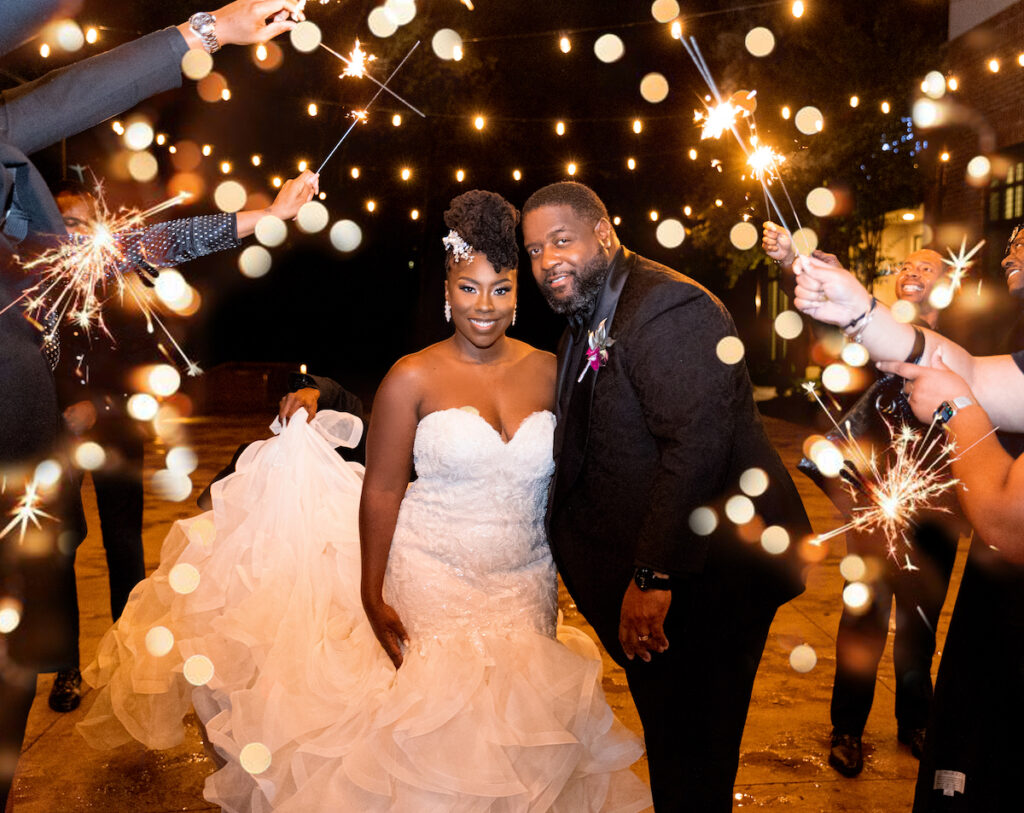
[482, 298]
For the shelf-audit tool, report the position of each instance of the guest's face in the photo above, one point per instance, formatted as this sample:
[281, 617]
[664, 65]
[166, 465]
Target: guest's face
[77, 210]
[1013, 266]
[483, 299]
[917, 274]
[568, 256]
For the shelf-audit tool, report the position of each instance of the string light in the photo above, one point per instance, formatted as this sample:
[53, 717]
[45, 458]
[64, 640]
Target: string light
[638, 126]
[406, 173]
[117, 127]
[161, 139]
[371, 205]
[560, 128]
[225, 167]
[885, 107]
[565, 45]
[517, 175]
[693, 154]
[261, 52]
[415, 214]
[44, 50]
[479, 122]
[303, 165]
[457, 52]
[854, 101]
[312, 109]
[944, 157]
[653, 215]
[631, 163]
[798, 9]
[225, 94]
[616, 220]
[276, 182]
[207, 150]
[993, 65]
[396, 120]
[460, 175]
[354, 172]
[571, 168]
[687, 211]
[786, 112]
[92, 35]
[256, 160]
[953, 83]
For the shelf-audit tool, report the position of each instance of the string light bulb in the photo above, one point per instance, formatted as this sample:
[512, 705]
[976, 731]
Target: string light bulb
[638, 126]
[371, 205]
[786, 112]
[92, 35]
[560, 128]
[571, 168]
[517, 175]
[653, 215]
[798, 9]
[396, 120]
[225, 167]
[693, 154]
[460, 175]
[312, 109]
[631, 163]
[854, 101]
[415, 214]
[207, 150]
[303, 165]
[256, 159]
[885, 107]
[565, 45]
[406, 173]
[944, 157]
[44, 50]
[261, 52]
[953, 83]
[354, 172]
[993, 65]
[479, 122]
[276, 182]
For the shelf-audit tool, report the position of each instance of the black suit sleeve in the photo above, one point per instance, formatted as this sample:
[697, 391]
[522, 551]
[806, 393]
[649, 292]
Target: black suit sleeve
[334, 396]
[690, 401]
[67, 101]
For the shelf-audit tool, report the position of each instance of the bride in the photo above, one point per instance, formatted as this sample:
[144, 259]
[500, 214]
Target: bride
[471, 701]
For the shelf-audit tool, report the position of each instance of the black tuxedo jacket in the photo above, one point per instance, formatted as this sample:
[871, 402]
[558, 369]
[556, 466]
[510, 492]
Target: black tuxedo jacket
[663, 428]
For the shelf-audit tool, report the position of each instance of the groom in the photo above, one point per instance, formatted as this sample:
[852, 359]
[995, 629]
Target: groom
[666, 492]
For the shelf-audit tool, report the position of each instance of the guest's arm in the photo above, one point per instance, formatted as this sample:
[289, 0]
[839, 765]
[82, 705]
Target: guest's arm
[67, 101]
[388, 470]
[832, 294]
[991, 487]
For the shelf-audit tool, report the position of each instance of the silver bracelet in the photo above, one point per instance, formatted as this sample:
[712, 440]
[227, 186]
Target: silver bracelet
[859, 335]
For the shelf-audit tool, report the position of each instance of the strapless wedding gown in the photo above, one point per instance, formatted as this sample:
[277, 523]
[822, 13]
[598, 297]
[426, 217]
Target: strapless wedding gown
[490, 711]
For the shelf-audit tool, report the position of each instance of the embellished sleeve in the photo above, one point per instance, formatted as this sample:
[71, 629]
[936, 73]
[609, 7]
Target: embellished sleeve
[178, 241]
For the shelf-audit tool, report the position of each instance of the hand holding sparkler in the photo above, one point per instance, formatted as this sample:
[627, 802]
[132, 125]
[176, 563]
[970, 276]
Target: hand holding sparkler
[928, 387]
[294, 193]
[777, 244]
[829, 293]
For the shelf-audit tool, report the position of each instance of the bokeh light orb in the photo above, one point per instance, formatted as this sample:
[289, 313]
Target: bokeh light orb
[142, 406]
[654, 87]
[170, 286]
[172, 486]
[143, 166]
[934, 84]
[827, 457]
[255, 758]
[313, 217]
[138, 135]
[789, 324]
[903, 311]
[164, 380]
[852, 568]
[854, 354]
[670, 233]
[803, 658]
[196, 64]
[346, 235]
[69, 35]
[744, 235]
[759, 41]
[754, 482]
[159, 641]
[183, 578]
[775, 539]
[978, 168]
[90, 456]
[609, 48]
[857, 596]
[445, 42]
[836, 377]
[805, 240]
[48, 472]
[402, 11]
[271, 231]
[10, 614]
[809, 120]
[665, 11]
[703, 520]
[941, 295]
[381, 23]
[730, 350]
[739, 508]
[230, 196]
[255, 262]
[198, 670]
[821, 202]
[306, 36]
[181, 460]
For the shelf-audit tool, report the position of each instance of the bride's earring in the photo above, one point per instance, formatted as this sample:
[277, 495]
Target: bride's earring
[515, 309]
[447, 311]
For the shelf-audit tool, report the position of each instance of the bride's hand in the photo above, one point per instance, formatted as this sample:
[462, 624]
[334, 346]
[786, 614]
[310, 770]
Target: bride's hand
[827, 292]
[388, 628]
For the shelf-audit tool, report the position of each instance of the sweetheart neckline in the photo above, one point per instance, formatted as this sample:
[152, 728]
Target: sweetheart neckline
[487, 423]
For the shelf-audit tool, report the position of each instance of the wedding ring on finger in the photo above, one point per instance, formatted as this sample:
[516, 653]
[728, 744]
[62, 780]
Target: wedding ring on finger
[643, 637]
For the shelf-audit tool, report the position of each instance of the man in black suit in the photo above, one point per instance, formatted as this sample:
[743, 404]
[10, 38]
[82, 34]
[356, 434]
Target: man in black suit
[32, 117]
[667, 495]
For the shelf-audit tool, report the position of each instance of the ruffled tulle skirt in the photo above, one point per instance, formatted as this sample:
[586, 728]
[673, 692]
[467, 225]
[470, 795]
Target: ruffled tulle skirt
[253, 618]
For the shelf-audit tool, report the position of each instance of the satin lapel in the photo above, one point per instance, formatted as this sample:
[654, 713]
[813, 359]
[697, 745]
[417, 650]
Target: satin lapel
[576, 421]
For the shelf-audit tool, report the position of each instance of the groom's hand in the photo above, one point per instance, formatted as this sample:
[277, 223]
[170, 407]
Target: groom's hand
[306, 398]
[642, 624]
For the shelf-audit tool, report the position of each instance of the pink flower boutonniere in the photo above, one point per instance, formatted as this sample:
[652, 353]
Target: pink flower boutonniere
[597, 352]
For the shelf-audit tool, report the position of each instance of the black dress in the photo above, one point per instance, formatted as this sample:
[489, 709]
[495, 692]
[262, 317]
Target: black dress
[974, 749]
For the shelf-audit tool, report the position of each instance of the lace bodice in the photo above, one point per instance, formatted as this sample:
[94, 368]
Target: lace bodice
[469, 551]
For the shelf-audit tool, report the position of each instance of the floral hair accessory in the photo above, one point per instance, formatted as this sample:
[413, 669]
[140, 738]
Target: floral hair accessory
[461, 250]
[597, 353]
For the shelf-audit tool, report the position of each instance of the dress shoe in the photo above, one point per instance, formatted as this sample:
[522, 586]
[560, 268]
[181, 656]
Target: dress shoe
[66, 693]
[846, 755]
[914, 737]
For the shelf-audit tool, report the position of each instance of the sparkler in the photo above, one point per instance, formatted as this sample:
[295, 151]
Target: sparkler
[906, 479]
[356, 65]
[85, 271]
[960, 263]
[764, 163]
[362, 117]
[26, 511]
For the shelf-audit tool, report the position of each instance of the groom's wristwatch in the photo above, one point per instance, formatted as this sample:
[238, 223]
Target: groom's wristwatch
[205, 26]
[647, 578]
[944, 414]
[299, 381]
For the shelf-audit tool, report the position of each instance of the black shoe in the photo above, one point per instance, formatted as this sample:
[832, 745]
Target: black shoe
[66, 693]
[914, 737]
[846, 755]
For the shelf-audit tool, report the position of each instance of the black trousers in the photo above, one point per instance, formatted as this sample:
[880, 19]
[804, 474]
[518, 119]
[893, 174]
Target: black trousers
[693, 701]
[919, 594]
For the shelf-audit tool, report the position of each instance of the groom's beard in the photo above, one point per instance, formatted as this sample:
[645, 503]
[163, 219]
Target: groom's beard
[587, 286]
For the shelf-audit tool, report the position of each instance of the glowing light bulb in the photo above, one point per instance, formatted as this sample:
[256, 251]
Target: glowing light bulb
[479, 122]
[354, 172]
[460, 175]
[312, 109]
[256, 160]
[371, 205]
[993, 65]
[885, 107]
[396, 120]
[560, 128]
[406, 173]
[798, 9]
[786, 112]
[854, 101]
[517, 175]
[565, 45]
[415, 214]
[631, 163]
[571, 168]
[638, 126]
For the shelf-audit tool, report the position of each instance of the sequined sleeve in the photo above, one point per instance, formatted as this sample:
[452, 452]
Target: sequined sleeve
[177, 241]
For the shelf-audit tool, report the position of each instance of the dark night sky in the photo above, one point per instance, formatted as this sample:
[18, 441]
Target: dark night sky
[352, 315]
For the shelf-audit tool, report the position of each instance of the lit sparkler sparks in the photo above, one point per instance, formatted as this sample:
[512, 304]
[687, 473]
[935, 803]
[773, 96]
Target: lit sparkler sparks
[357, 64]
[359, 115]
[906, 479]
[85, 271]
[764, 163]
[26, 511]
[960, 263]
[716, 120]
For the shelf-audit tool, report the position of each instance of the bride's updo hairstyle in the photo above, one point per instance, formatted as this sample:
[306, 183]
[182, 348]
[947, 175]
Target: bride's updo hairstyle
[486, 222]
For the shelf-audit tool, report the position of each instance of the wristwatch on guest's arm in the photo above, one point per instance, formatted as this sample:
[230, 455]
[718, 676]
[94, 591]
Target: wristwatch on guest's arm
[205, 26]
[647, 578]
[947, 409]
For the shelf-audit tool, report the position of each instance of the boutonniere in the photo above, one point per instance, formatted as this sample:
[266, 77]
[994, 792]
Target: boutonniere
[597, 353]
